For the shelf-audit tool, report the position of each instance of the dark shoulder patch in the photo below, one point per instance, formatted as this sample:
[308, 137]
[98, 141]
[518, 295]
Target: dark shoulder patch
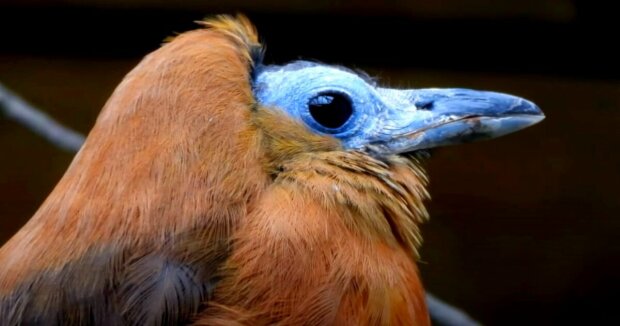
[156, 290]
[150, 285]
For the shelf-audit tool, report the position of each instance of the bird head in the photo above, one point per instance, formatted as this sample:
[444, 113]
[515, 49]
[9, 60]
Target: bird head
[348, 142]
[340, 103]
[351, 144]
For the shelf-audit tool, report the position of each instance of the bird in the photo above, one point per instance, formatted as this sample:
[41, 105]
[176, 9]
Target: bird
[216, 189]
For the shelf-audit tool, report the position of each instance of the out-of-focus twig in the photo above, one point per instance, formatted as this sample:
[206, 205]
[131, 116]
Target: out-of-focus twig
[445, 314]
[38, 122]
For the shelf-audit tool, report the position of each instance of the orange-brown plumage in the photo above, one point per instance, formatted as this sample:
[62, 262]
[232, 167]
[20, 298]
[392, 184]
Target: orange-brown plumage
[191, 202]
[332, 240]
[169, 168]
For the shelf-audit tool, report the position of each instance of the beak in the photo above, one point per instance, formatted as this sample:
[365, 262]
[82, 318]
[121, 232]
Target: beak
[426, 118]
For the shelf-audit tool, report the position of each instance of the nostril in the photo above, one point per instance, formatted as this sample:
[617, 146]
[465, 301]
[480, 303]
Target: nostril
[424, 104]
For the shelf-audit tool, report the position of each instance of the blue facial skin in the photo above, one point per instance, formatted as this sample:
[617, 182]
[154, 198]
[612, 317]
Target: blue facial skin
[390, 121]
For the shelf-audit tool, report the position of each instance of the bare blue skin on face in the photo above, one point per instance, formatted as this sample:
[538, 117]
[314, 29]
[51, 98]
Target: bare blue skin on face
[335, 101]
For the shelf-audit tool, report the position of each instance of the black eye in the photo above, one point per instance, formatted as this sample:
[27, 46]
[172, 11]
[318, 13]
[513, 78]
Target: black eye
[330, 109]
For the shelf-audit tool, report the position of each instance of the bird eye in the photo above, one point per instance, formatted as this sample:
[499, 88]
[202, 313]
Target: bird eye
[331, 110]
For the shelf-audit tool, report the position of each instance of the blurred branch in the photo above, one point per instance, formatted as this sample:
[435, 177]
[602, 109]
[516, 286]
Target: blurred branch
[445, 314]
[40, 123]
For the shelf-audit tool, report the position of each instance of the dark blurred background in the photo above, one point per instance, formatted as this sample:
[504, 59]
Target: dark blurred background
[524, 229]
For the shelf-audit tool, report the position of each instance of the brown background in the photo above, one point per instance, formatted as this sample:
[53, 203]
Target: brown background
[524, 229]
